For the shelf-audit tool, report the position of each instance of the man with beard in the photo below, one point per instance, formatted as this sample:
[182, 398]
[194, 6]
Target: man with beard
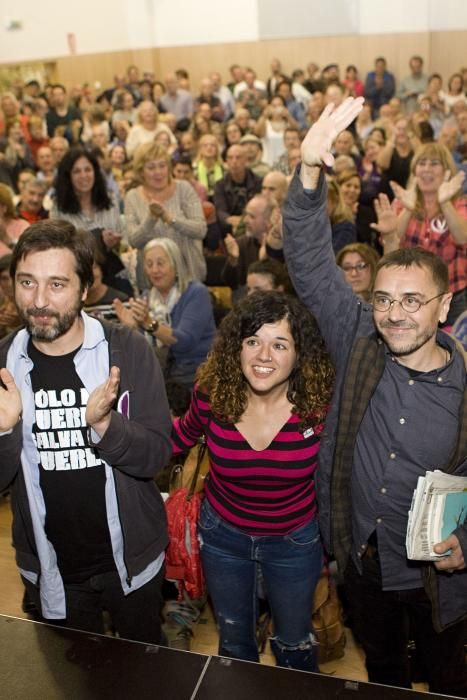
[84, 427]
[397, 412]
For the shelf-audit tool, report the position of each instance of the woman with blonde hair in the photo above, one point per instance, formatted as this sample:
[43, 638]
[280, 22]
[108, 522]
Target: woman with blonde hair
[208, 168]
[146, 128]
[341, 217]
[431, 214]
[163, 207]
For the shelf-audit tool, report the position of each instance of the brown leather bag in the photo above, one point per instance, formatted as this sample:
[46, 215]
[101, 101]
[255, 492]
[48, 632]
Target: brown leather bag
[327, 620]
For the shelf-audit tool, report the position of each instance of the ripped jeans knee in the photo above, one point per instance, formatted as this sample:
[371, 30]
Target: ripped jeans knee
[302, 656]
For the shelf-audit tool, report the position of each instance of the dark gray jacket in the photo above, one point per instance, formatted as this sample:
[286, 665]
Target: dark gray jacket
[343, 318]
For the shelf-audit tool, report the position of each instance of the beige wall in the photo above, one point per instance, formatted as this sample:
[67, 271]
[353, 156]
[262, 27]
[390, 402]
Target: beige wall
[444, 52]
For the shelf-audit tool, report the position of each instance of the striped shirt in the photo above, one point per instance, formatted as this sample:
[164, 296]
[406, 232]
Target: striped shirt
[261, 492]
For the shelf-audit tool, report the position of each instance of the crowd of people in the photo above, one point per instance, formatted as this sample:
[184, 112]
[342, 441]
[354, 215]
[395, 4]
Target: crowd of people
[133, 204]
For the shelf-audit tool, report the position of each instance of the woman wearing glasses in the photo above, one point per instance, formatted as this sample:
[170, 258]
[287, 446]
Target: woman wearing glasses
[358, 262]
[430, 214]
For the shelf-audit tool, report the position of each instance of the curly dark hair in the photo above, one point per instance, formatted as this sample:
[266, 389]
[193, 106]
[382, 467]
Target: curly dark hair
[311, 380]
[67, 201]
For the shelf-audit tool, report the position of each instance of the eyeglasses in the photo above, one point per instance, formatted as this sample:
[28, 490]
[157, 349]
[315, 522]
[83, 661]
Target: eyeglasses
[358, 267]
[409, 303]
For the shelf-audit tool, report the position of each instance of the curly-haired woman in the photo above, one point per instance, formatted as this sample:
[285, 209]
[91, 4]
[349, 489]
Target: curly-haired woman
[260, 401]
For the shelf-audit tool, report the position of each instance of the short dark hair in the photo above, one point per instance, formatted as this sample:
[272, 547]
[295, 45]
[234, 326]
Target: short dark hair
[5, 262]
[67, 201]
[56, 233]
[58, 85]
[419, 257]
[275, 269]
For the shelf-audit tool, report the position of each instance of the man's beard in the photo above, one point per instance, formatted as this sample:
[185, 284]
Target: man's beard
[416, 344]
[50, 332]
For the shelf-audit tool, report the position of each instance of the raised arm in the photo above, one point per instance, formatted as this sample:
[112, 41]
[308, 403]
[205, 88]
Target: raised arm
[308, 237]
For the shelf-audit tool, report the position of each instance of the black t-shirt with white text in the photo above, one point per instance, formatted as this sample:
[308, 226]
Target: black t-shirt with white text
[72, 476]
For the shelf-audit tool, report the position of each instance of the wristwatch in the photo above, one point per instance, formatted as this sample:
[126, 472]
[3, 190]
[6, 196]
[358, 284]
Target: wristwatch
[152, 328]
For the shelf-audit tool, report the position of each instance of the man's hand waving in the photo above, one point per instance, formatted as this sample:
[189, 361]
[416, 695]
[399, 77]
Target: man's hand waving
[100, 403]
[10, 402]
[317, 144]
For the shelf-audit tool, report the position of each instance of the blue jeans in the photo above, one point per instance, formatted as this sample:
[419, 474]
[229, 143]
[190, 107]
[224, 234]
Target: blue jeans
[290, 565]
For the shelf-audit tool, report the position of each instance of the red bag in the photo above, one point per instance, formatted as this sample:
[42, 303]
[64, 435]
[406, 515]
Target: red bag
[183, 561]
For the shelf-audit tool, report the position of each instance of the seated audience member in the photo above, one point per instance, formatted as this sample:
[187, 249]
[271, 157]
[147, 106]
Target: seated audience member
[232, 135]
[31, 203]
[342, 163]
[449, 136]
[395, 156]
[341, 217]
[236, 74]
[207, 96]
[455, 92]
[291, 138]
[81, 195]
[62, 118]
[177, 312]
[125, 110]
[224, 94]
[249, 80]
[370, 178]
[413, 85]
[146, 128]
[10, 111]
[236, 188]
[275, 78]
[11, 226]
[284, 90]
[46, 169]
[241, 252]
[431, 215]
[100, 296]
[275, 186]
[350, 185]
[254, 151]
[271, 127]
[37, 139]
[364, 123]
[182, 169]
[17, 154]
[299, 91]
[59, 146]
[160, 207]
[434, 92]
[252, 98]
[9, 318]
[208, 167]
[380, 86]
[267, 275]
[24, 176]
[335, 94]
[352, 82]
[313, 80]
[175, 100]
[187, 145]
[315, 107]
[358, 262]
[344, 145]
[243, 121]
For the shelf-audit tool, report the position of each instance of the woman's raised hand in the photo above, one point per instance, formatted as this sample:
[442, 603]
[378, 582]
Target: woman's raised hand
[387, 219]
[317, 144]
[408, 197]
[450, 186]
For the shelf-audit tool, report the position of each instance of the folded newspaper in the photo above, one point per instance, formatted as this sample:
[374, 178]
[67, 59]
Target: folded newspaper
[439, 506]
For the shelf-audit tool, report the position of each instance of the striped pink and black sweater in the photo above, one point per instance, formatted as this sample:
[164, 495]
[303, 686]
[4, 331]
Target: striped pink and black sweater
[267, 492]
